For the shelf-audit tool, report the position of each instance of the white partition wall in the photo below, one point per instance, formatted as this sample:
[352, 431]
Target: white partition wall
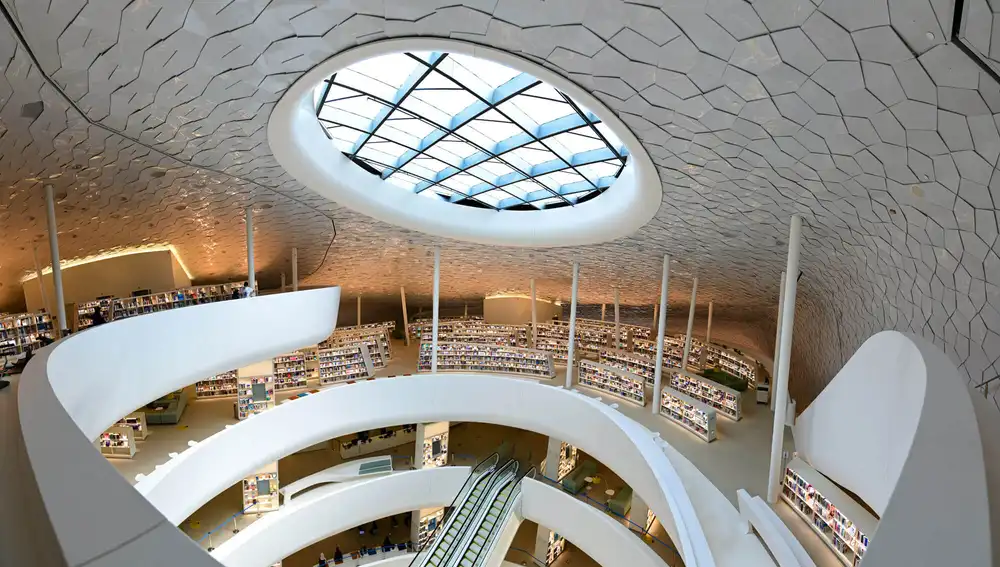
[909, 446]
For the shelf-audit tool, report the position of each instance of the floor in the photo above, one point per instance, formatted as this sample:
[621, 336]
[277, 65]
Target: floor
[746, 442]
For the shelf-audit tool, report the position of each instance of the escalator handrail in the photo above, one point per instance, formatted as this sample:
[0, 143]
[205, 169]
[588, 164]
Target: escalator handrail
[485, 467]
[502, 518]
[489, 496]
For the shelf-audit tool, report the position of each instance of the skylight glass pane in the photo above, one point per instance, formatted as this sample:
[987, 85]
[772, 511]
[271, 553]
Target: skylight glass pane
[545, 202]
[490, 146]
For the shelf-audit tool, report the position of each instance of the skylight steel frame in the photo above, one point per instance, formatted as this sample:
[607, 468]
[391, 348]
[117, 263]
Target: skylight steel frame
[568, 194]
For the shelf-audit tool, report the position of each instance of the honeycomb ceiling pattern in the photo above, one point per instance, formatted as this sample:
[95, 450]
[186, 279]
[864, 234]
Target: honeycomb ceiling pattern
[858, 115]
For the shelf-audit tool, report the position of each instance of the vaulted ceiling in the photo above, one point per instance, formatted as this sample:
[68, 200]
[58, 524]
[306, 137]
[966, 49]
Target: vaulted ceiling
[866, 117]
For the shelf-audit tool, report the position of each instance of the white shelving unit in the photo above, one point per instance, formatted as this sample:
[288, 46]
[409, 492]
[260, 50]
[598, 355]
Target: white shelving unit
[673, 351]
[465, 357]
[125, 307]
[482, 333]
[689, 413]
[429, 520]
[419, 327]
[218, 386]
[557, 544]
[568, 457]
[85, 310]
[137, 422]
[553, 338]
[436, 440]
[260, 490]
[733, 363]
[21, 333]
[344, 364]
[117, 443]
[842, 523]
[256, 395]
[726, 401]
[290, 371]
[376, 340]
[637, 364]
[614, 381]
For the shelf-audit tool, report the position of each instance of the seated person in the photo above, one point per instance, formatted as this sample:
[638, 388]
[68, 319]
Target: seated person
[322, 561]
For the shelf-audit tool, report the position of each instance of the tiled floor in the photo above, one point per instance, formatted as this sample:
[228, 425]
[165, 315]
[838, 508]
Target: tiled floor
[737, 459]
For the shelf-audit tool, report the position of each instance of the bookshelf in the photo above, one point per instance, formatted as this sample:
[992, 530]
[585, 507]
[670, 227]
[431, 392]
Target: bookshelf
[568, 457]
[125, 307]
[419, 327]
[260, 490]
[377, 341]
[429, 520]
[290, 371]
[438, 458]
[842, 524]
[726, 401]
[85, 310]
[557, 544]
[21, 333]
[689, 413]
[344, 363]
[481, 333]
[218, 386]
[553, 338]
[136, 421]
[465, 357]
[614, 381]
[638, 364]
[255, 395]
[733, 363]
[117, 443]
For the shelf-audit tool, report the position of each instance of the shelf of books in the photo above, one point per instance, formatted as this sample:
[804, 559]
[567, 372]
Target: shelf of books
[557, 544]
[260, 490]
[732, 363]
[620, 383]
[436, 450]
[673, 351]
[429, 520]
[125, 307]
[377, 341]
[419, 327]
[255, 395]
[635, 363]
[465, 357]
[481, 333]
[842, 523]
[344, 363]
[726, 401]
[117, 443]
[218, 386]
[689, 413]
[568, 457]
[22, 332]
[553, 338]
[290, 371]
[137, 422]
[84, 311]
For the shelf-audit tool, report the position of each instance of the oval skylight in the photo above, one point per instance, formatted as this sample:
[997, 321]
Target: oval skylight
[469, 131]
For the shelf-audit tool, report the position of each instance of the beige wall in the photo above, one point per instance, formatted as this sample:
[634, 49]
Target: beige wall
[517, 310]
[117, 277]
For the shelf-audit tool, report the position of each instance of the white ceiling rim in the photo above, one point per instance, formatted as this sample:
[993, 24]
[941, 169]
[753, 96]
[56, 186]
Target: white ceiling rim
[301, 146]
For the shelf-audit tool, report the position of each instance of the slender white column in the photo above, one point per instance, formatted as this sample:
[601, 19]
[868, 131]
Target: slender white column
[618, 328]
[784, 361]
[251, 271]
[57, 282]
[359, 309]
[534, 315]
[638, 513]
[661, 329]
[283, 286]
[295, 269]
[604, 310]
[38, 276]
[687, 339]
[777, 339]
[708, 335]
[437, 292]
[572, 326]
[656, 312]
[406, 321]
[466, 314]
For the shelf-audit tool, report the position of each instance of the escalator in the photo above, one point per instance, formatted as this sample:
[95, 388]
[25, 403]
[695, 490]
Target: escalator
[481, 511]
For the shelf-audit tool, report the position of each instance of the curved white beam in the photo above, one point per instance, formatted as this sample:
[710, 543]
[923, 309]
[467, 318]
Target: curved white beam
[344, 472]
[73, 390]
[203, 471]
[333, 509]
[911, 447]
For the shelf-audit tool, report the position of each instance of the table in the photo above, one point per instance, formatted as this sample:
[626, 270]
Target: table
[588, 479]
[609, 492]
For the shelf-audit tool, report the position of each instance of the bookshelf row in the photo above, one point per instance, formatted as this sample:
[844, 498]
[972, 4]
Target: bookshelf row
[375, 338]
[733, 363]
[125, 307]
[22, 333]
[724, 400]
[842, 524]
[420, 327]
[466, 357]
[689, 413]
[343, 364]
[614, 381]
[255, 394]
[260, 490]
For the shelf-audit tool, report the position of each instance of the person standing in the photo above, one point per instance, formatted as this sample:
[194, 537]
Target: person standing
[247, 290]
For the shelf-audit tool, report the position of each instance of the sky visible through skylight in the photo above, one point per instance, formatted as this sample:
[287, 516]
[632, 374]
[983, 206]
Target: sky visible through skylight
[469, 131]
